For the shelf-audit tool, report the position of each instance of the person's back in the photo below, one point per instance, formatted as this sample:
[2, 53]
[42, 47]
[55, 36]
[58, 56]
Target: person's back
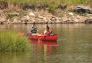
[34, 29]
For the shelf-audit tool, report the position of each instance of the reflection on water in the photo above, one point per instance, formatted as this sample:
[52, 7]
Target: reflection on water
[73, 46]
[48, 46]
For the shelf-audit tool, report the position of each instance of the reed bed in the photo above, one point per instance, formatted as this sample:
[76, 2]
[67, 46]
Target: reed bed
[12, 42]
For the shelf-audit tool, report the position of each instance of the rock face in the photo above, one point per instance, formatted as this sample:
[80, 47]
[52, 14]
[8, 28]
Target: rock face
[83, 9]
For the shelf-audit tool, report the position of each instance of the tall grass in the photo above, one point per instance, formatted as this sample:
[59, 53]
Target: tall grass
[50, 1]
[12, 41]
[52, 4]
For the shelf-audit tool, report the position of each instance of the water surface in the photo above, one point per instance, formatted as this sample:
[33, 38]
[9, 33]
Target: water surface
[73, 46]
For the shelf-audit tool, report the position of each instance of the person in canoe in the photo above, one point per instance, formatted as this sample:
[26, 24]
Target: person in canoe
[47, 31]
[34, 29]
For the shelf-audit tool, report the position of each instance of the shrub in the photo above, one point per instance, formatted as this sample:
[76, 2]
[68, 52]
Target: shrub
[12, 41]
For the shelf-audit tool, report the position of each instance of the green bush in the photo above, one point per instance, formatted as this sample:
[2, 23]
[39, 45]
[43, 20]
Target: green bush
[12, 41]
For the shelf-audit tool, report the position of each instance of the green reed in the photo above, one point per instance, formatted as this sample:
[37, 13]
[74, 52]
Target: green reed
[12, 41]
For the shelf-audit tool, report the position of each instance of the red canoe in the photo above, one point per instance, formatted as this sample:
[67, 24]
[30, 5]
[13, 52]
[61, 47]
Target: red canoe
[44, 38]
[48, 43]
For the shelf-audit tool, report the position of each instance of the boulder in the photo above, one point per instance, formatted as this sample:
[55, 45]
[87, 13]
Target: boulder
[83, 9]
[88, 21]
[31, 14]
[2, 19]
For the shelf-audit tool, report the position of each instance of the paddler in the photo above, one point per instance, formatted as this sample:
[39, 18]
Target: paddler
[34, 29]
[47, 31]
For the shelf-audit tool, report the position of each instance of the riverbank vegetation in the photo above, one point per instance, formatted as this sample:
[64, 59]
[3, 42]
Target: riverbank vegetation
[51, 4]
[12, 42]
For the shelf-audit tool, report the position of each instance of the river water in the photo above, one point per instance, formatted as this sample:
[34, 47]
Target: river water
[73, 46]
